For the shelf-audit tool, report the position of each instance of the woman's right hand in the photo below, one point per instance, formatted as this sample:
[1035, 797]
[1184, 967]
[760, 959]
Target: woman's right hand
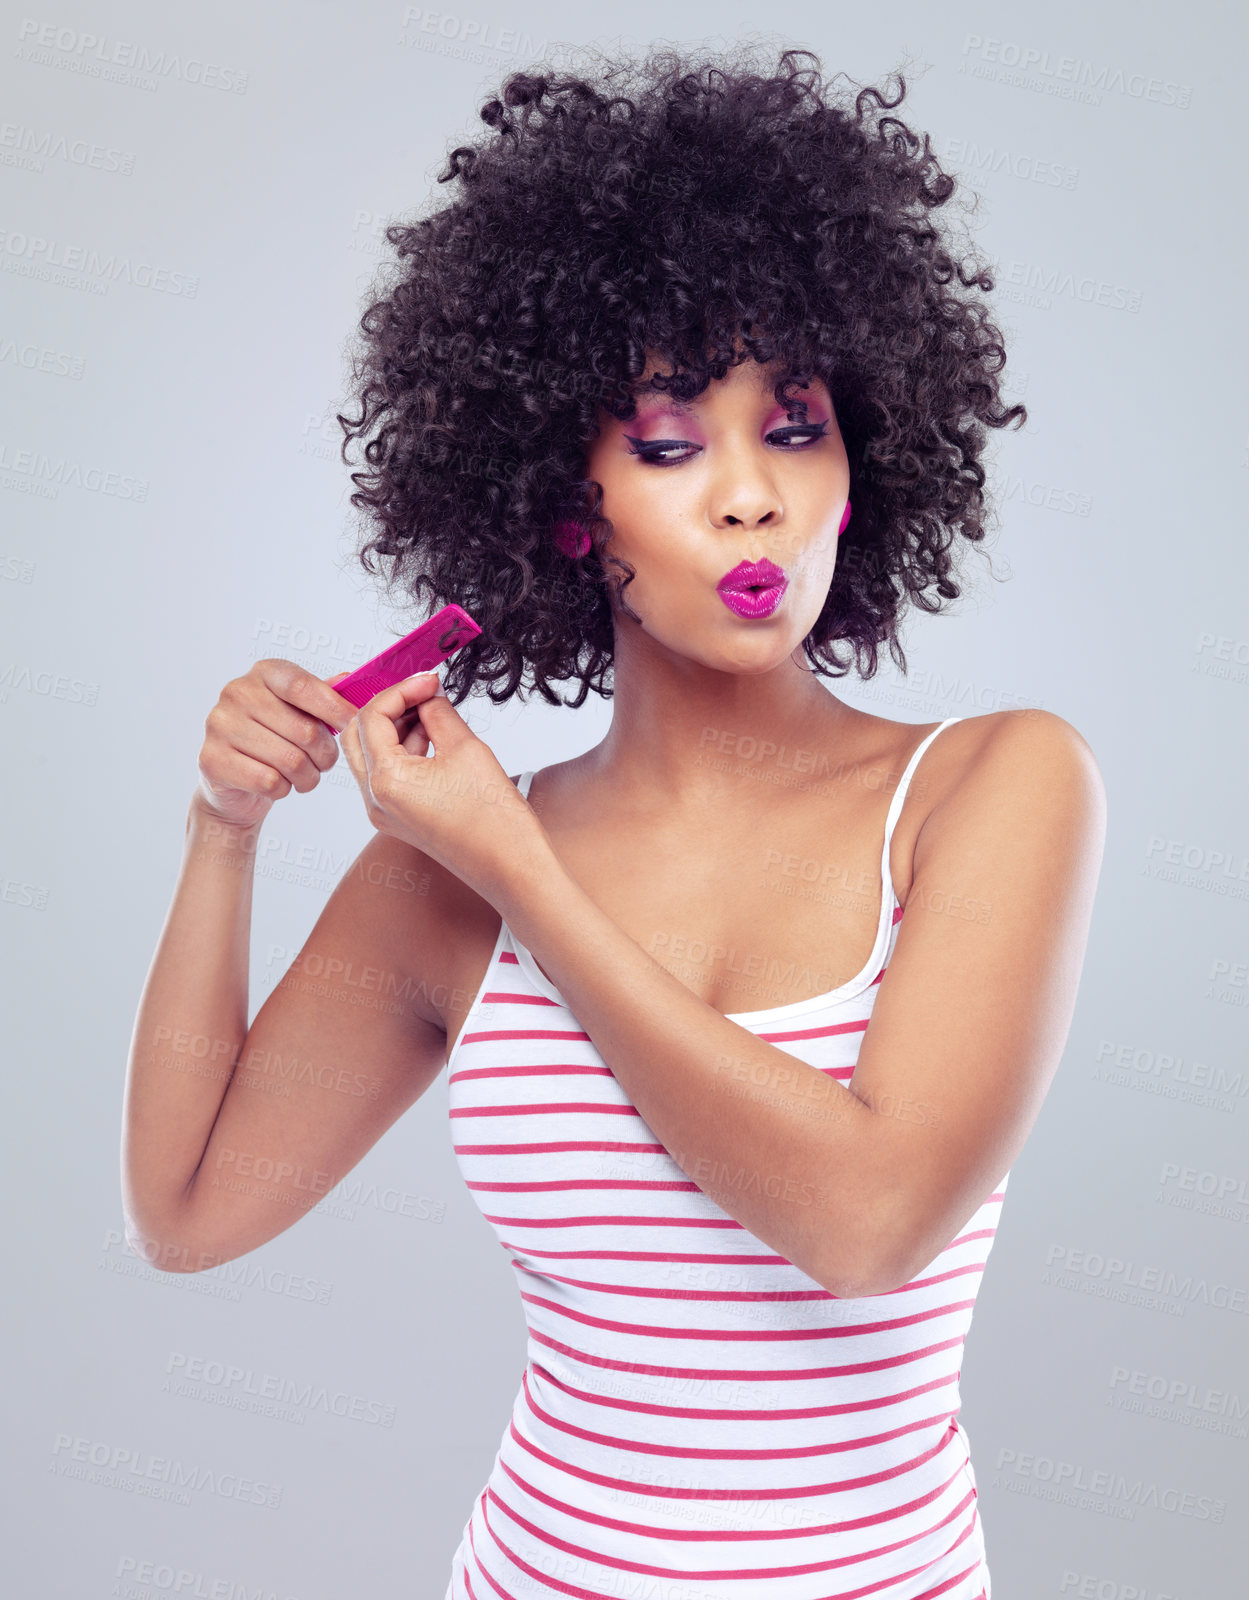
[266, 736]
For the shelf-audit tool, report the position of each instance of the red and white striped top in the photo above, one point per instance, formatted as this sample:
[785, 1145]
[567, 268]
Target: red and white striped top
[698, 1419]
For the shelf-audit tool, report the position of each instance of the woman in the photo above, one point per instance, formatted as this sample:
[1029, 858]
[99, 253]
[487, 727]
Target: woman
[682, 391]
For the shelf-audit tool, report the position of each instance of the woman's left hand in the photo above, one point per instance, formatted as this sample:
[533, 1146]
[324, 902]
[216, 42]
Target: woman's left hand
[457, 804]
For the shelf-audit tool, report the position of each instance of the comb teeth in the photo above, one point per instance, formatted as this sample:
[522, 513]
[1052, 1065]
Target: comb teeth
[363, 689]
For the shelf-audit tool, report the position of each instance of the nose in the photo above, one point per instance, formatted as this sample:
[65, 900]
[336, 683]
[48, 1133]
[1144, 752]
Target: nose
[748, 500]
[750, 507]
[766, 519]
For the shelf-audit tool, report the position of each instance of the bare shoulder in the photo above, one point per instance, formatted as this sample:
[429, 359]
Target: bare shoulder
[1037, 749]
[1023, 774]
[1028, 744]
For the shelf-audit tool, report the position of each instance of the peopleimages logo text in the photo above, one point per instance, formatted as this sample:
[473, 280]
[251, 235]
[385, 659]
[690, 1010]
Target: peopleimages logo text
[1075, 72]
[64, 45]
[37, 257]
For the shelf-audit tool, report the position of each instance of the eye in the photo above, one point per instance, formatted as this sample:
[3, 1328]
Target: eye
[652, 449]
[657, 451]
[817, 430]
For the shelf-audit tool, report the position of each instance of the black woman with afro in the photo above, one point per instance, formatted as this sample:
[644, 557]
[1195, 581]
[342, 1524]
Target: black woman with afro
[683, 395]
[682, 391]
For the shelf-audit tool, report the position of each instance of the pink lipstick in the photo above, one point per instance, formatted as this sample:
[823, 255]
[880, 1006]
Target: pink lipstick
[753, 588]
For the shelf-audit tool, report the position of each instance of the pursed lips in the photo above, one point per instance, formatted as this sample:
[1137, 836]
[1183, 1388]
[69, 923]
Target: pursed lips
[750, 575]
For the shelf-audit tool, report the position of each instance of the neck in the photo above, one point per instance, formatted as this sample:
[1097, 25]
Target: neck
[689, 733]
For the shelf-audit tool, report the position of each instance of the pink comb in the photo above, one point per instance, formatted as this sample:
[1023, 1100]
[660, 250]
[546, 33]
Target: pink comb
[419, 651]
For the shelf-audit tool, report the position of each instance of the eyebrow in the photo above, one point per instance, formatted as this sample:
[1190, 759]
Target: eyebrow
[659, 402]
[656, 408]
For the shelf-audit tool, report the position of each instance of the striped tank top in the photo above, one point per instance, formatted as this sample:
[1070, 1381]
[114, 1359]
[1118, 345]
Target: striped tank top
[697, 1418]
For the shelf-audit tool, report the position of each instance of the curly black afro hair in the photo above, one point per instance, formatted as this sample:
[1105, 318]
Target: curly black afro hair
[709, 212]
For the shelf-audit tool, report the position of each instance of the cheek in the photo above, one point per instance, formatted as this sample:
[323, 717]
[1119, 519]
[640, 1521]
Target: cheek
[810, 557]
[625, 501]
[648, 517]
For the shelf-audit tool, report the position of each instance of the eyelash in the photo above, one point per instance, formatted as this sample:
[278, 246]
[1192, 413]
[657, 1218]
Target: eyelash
[648, 449]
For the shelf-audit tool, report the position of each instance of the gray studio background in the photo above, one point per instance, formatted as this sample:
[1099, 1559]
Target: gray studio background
[173, 508]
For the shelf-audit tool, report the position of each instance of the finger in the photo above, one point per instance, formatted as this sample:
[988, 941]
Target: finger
[300, 767]
[341, 717]
[352, 708]
[390, 722]
[378, 739]
[410, 734]
[445, 726]
[349, 741]
[404, 696]
[293, 685]
[290, 725]
[413, 737]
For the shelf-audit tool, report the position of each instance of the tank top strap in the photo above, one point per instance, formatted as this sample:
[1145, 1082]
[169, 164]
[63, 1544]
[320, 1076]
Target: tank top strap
[904, 783]
[895, 805]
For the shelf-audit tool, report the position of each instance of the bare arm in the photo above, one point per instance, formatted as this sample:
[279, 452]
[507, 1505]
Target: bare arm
[970, 1021]
[230, 1134]
[189, 1031]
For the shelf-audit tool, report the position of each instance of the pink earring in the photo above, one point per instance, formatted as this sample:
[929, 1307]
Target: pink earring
[572, 539]
[845, 518]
